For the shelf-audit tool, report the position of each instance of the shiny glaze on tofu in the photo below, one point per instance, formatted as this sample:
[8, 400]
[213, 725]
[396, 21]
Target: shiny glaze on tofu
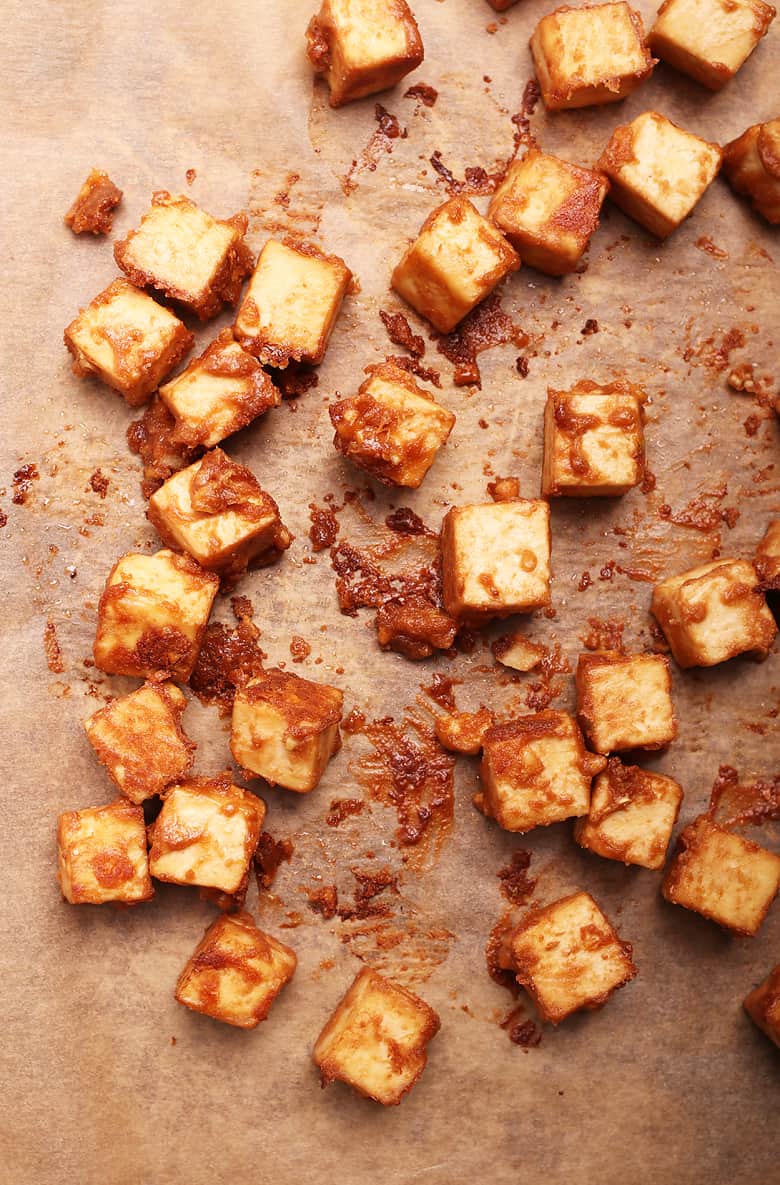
[362, 47]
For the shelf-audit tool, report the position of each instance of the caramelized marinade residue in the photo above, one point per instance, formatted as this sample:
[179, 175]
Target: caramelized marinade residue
[269, 854]
[516, 885]
[734, 803]
[484, 328]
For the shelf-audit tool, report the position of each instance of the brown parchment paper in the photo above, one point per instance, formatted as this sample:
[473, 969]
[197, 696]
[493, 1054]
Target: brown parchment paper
[670, 1081]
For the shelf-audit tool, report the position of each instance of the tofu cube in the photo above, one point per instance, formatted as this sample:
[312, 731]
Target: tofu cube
[767, 562]
[496, 559]
[709, 39]
[722, 876]
[463, 732]
[594, 444]
[392, 429]
[183, 252]
[752, 166]
[632, 815]
[93, 210]
[127, 340]
[216, 511]
[236, 972]
[291, 304]
[567, 956]
[454, 263]
[218, 394]
[548, 209]
[536, 771]
[101, 855]
[363, 46]
[590, 55]
[376, 1039]
[714, 612]
[763, 1005]
[140, 740]
[286, 729]
[206, 834]
[624, 701]
[152, 615]
[518, 652]
[657, 171]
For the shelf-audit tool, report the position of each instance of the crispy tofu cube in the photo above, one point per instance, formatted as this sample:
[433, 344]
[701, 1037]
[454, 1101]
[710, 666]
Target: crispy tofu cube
[763, 1005]
[286, 729]
[93, 209]
[376, 1039]
[767, 562]
[101, 855]
[567, 956]
[463, 732]
[291, 304]
[392, 429]
[632, 815]
[594, 444]
[236, 972]
[412, 625]
[548, 209]
[216, 511]
[140, 740]
[518, 652]
[363, 46]
[722, 876]
[657, 171]
[624, 701]
[127, 340]
[454, 263]
[536, 771]
[752, 166]
[152, 615]
[709, 39]
[496, 559]
[595, 54]
[206, 834]
[714, 612]
[183, 252]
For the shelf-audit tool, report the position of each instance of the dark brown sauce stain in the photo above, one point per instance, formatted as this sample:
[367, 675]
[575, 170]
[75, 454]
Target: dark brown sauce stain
[52, 650]
[734, 803]
[382, 141]
[21, 485]
[324, 529]
[427, 95]
[486, 327]
[400, 333]
[516, 885]
[704, 512]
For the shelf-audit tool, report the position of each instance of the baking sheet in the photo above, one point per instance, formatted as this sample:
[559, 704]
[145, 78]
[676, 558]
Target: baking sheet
[107, 1079]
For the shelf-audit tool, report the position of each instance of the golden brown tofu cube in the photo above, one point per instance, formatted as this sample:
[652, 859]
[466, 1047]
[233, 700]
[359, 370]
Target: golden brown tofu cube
[236, 972]
[101, 855]
[567, 956]
[392, 428]
[454, 263]
[463, 732]
[152, 615]
[594, 444]
[536, 771]
[595, 54]
[767, 562]
[496, 558]
[363, 46]
[286, 729]
[291, 304]
[183, 252]
[548, 209]
[632, 815]
[140, 740]
[722, 876]
[127, 340]
[206, 834]
[709, 39]
[752, 165]
[93, 209]
[714, 612]
[763, 1005]
[657, 171]
[376, 1039]
[624, 701]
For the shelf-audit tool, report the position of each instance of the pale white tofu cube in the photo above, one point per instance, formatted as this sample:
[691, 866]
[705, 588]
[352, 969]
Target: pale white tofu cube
[763, 1005]
[624, 701]
[101, 855]
[594, 443]
[632, 815]
[709, 39]
[363, 46]
[751, 164]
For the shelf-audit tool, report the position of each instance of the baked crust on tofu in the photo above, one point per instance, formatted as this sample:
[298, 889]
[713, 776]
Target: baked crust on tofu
[392, 429]
[236, 972]
[363, 46]
[767, 561]
[140, 740]
[286, 729]
[632, 815]
[567, 956]
[722, 876]
[624, 701]
[763, 1005]
[127, 340]
[376, 1039]
[454, 263]
[101, 855]
[657, 171]
[714, 612]
[752, 165]
[594, 442]
[548, 209]
[291, 304]
[183, 252]
[590, 55]
[93, 210]
[152, 615]
[709, 39]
